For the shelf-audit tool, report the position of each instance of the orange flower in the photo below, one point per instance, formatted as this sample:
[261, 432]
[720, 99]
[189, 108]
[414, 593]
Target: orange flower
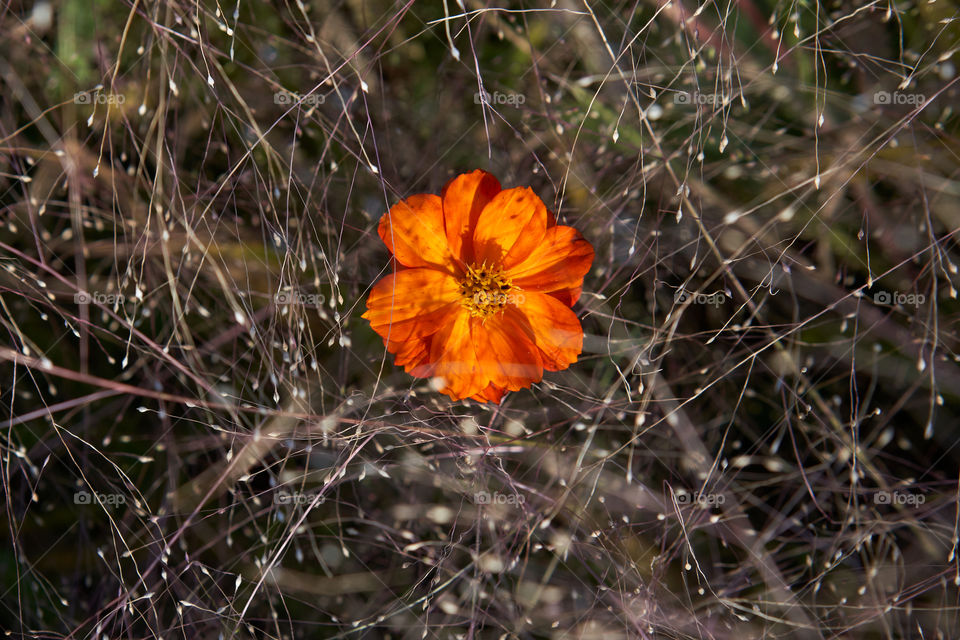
[483, 286]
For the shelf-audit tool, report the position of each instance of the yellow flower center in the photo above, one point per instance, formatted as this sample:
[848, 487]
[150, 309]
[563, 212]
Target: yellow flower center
[485, 290]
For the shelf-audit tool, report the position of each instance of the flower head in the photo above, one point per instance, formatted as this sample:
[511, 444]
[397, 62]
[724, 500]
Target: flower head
[481, 295]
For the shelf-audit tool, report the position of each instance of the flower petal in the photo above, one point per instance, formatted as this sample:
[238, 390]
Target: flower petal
[509, 228]
[411, 303]
[568, 297]
[558, 263]
[409, 354]
[464, 198]
[506, 350]
[492, 393]
[557, 331]
[413, 231]
[453, 358]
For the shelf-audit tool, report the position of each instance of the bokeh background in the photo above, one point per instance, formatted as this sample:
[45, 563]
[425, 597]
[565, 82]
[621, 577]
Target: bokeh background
[201, 438]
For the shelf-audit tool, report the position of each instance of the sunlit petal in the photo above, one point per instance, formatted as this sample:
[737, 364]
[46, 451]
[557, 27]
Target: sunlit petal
[411, 303]
[464, 198]
[413, 231]
[509, 228]
[557, 331]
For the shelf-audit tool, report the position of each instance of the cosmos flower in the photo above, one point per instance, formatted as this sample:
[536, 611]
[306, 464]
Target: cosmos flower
[482, 293]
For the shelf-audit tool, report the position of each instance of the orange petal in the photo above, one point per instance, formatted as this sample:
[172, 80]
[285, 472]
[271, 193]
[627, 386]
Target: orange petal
[452, 358]
[558, 263]
[464, 198]
[413, 231]
[492, 393]
[509, 228]
[506, 350]
[411, 303]
[410, 353]
[568, 297]
[557, 331]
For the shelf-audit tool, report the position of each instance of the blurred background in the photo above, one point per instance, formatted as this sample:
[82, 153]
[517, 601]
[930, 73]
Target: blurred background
[201, 438]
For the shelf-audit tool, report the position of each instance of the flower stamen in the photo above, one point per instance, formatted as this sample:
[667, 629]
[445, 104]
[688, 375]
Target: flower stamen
[484, 290]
